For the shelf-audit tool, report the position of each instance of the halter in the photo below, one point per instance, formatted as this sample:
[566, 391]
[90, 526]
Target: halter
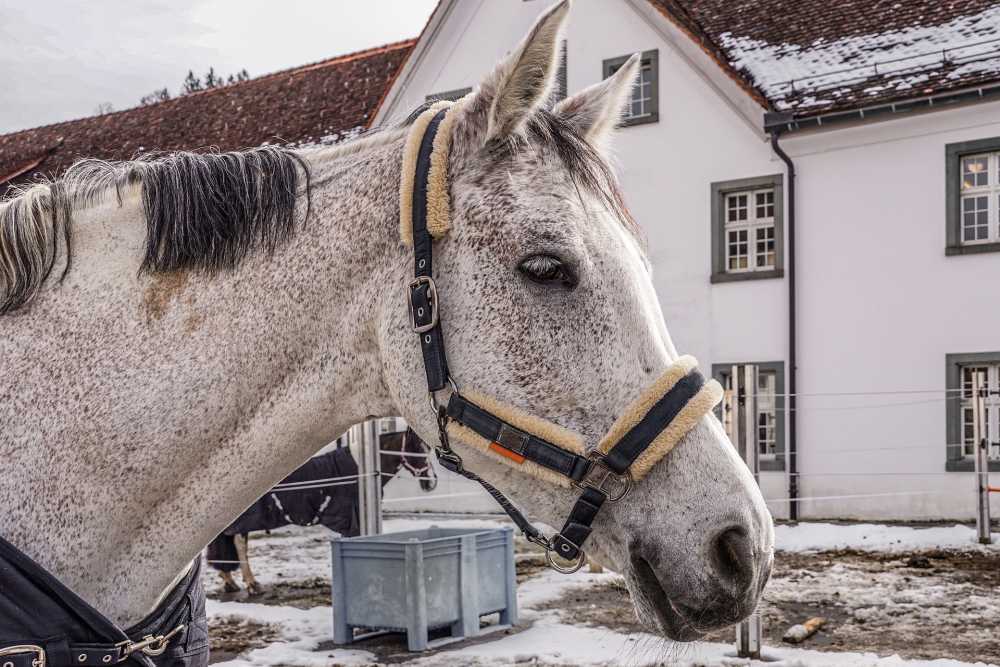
[645, 432]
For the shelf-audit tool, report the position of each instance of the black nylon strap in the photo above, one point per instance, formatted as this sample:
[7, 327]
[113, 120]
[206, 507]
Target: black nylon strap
[568, 542]
[531, 447]
[641, 436]
[431, 341]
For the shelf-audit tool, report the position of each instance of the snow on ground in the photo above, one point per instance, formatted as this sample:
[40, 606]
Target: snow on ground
[874, 537]
[303, 635]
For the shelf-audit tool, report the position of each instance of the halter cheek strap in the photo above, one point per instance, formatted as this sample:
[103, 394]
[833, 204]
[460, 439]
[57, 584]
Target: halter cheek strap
[645, 432]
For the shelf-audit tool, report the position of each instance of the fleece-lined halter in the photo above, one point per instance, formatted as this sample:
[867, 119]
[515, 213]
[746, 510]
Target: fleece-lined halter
[648, 429]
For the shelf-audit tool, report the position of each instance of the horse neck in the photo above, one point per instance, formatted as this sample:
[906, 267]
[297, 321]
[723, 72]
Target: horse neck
[215, 388]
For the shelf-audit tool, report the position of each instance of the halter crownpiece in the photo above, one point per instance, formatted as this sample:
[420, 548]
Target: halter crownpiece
[641, 436]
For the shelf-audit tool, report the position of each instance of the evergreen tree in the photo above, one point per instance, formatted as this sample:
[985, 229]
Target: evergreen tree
[192, 84]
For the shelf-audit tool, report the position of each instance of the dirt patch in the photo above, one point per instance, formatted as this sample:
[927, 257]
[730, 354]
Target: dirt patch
[301, 594]
[232, 636]
[929, 605]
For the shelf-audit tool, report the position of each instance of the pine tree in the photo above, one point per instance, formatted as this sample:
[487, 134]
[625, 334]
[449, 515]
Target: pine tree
[212, 80]
[192, 84]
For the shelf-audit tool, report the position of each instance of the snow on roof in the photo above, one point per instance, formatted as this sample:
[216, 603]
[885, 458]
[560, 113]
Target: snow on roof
[813, 56]
[862, 67]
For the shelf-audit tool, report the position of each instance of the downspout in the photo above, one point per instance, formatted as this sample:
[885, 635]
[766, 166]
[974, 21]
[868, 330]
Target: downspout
[793, 479]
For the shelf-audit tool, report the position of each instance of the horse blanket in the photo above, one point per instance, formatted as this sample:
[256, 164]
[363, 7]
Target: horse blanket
[42, 618]
[325, 499]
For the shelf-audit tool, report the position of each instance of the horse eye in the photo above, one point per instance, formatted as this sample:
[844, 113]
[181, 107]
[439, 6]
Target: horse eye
[547, 270]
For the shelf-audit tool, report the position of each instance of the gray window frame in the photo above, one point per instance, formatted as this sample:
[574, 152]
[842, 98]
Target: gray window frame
[450, 95]
[719, 190]
[721, 372]
[954, 460]
[653, 57]
[953, 154]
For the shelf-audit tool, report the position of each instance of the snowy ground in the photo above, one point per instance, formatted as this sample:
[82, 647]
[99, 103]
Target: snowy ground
[886, 590]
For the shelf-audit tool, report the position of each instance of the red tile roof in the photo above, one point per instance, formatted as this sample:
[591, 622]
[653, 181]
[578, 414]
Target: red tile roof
[814, 56]
[298, 105]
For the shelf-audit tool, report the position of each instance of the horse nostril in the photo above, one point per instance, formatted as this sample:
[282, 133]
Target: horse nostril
[734, 558]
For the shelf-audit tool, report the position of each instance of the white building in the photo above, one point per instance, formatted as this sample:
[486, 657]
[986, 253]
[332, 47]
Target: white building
[892, 122]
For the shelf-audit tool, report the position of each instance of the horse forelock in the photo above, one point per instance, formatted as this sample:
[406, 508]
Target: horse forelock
[203, 211]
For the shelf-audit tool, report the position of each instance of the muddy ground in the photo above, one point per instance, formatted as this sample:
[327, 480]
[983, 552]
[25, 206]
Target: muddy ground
[929, 605]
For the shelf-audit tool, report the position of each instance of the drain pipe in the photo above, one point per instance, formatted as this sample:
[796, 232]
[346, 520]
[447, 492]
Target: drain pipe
[793, 479]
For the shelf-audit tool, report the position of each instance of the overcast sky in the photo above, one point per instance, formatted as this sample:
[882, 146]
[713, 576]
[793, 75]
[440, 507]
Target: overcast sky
[60, 59]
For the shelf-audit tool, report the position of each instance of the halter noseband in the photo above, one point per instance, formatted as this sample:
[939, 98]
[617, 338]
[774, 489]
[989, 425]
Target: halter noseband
[647, 430]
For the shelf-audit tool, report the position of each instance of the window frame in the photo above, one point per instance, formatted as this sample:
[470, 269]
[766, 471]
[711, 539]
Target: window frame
[955, 459]
[954, 154]
[720, 191]
[720, 372]
[652, 57]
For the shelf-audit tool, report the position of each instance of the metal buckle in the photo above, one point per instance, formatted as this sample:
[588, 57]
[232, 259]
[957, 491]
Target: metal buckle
[602, 478]
[150, 645]
[432, 297]
[38, 661]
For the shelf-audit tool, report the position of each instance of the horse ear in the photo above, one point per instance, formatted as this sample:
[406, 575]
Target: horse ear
[523, 80]
[595, 111]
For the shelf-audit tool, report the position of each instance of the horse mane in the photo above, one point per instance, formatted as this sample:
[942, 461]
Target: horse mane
[204, 211]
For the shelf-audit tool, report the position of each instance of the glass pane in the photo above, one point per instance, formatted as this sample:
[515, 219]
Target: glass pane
[975, 172]
[975, 218]
[764, 202]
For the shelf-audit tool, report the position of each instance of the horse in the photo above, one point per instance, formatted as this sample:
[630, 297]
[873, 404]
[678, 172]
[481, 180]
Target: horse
[167, 316]
[323, 491]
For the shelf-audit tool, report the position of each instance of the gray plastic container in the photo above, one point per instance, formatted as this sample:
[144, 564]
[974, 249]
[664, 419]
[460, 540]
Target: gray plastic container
[419, 580]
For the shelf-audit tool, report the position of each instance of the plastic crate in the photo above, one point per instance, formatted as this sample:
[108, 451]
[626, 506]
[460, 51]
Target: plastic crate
[418, 581]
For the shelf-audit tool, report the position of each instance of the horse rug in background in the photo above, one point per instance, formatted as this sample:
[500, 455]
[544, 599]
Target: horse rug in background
[324, 490]
[44, 624]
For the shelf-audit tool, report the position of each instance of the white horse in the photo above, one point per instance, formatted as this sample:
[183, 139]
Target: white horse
[199, 317]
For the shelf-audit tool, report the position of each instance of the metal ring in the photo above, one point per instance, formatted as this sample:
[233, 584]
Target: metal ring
[8, 664]
[432, 398]
[573, 567]
[82, 657]
[106, 659]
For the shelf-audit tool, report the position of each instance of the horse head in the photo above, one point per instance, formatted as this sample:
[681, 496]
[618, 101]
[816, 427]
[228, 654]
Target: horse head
[548, 311]
[416, 457]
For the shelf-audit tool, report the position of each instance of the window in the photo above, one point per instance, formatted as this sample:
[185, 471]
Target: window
[973, 196]
[747, 229]
[450, 95]
[770, 410]
[644, 106]
[961, 370]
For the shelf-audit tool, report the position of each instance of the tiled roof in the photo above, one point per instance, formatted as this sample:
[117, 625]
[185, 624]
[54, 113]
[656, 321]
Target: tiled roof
[815, 56]
[301, 105]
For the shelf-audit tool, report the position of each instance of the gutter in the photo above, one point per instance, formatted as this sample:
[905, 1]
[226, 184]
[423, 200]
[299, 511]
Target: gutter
[789, 121]
[793, 483]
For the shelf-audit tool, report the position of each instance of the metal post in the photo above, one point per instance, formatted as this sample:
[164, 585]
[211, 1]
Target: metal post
[982, 464]
[365, 445]
[748, 632]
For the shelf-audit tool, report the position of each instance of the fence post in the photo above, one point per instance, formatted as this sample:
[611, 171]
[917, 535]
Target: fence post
[982, 464]
[746, 385]
[366, 437]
